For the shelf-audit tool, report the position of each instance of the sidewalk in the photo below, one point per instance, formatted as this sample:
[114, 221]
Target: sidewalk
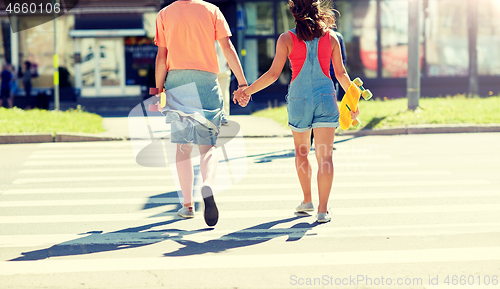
[117, 128]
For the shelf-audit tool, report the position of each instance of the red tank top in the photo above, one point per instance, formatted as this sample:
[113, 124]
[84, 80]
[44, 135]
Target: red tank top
[299, 54]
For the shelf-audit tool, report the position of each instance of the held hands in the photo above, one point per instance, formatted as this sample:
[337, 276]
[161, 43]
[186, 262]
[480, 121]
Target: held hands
[241, 97]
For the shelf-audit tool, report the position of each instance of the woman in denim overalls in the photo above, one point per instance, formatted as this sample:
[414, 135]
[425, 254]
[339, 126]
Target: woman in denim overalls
[311, 100]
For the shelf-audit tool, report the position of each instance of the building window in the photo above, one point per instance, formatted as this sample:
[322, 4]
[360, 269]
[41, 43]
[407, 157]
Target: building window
[357, 24]
[447, 40]
[259, 16]
[394, 32]
[36, 45]
[286, 21]
[488, 40]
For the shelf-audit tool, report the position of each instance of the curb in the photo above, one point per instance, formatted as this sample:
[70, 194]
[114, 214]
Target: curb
[21, 138]
[424, 129]
[26, 138]
[47, 137]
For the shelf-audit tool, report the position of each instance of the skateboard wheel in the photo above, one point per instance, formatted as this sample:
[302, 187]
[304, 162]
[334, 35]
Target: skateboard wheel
[367, 94]
[358, 82]
[356, 123]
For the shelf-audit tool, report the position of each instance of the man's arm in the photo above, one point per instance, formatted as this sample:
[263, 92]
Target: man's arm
[161, 67]
[232, 59]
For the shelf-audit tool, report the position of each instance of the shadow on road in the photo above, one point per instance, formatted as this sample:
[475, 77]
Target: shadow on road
[96, 242]
[246, 237]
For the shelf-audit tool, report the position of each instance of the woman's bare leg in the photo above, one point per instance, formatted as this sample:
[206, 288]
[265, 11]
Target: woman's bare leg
[302, 142]
[323, 142]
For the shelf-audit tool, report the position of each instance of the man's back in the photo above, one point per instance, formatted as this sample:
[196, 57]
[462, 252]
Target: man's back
[188, 29]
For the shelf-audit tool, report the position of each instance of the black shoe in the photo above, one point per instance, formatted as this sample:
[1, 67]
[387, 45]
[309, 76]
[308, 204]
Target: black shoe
[211, 213]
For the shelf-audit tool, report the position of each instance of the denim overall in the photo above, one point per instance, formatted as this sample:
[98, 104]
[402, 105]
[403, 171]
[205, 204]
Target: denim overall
[311, 99]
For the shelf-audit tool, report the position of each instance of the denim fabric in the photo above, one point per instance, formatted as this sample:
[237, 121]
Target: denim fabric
[311, 99]
[194, 106]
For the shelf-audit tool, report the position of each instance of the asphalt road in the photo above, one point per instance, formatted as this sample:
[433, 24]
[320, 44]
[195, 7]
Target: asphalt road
[412, 211]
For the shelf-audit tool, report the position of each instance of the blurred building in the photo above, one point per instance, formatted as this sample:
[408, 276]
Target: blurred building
[106, 46]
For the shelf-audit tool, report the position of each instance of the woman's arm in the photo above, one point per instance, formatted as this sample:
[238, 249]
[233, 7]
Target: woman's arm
[338, 65]
[283, 47]
[232, 59]
[161, 67]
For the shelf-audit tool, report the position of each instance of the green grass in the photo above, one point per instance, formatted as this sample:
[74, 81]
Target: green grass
[17, 120]
[390, 113]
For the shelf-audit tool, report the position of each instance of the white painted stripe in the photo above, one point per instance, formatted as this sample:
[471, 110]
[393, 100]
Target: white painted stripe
[80, 163]
[246, 199]
[261, 149]
[145, 237]
[249, 214]
[77, 170]
[130, 159]
[70, 145]
[163, 175]
[219, 261]
[249, 187]
[78, 155]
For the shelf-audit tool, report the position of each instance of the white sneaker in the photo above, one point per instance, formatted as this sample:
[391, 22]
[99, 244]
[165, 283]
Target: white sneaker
[324, 217]
[186, 212]
[307, 207]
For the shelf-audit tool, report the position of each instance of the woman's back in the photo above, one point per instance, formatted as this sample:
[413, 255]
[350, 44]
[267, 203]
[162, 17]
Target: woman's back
[321, 49]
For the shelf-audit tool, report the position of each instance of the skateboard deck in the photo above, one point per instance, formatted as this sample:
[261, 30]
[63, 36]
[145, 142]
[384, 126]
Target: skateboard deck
[350, 103]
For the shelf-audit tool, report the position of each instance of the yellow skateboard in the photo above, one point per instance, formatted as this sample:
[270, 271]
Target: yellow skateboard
[350, 103]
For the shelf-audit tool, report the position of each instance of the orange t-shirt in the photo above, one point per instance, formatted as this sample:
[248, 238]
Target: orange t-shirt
[189, 29]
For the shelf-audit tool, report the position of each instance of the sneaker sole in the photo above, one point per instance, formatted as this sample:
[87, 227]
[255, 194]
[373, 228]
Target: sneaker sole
[306, 210]
[211, 213]
[185, 216]
[324, 221]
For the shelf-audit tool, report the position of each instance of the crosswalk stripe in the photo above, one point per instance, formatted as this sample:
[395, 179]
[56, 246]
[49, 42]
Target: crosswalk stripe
[162, 175]
[145, 237]
[250, 187]
[252, 261]
[249, 213]
[149, 169]
[50, 154]
[130, 160]
[246, 199]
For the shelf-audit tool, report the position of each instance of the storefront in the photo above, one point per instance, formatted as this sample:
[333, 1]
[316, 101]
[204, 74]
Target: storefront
[114, 56]
[103, 51]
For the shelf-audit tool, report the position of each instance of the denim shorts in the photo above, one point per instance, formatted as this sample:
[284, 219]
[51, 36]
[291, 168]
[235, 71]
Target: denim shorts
[206, 99]
[312, 107]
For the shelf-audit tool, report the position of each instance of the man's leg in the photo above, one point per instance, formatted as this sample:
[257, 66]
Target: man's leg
[185, 172]
[208, 163]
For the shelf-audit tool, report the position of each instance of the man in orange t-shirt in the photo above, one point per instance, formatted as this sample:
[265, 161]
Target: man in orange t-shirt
[186, 31]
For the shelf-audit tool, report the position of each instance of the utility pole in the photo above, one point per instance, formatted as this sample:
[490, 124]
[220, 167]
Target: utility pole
[56, 62]
[413, 79]
[473, 73]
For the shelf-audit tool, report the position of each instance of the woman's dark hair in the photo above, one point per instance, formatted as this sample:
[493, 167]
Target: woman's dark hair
[313, 18]
[28, 64]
